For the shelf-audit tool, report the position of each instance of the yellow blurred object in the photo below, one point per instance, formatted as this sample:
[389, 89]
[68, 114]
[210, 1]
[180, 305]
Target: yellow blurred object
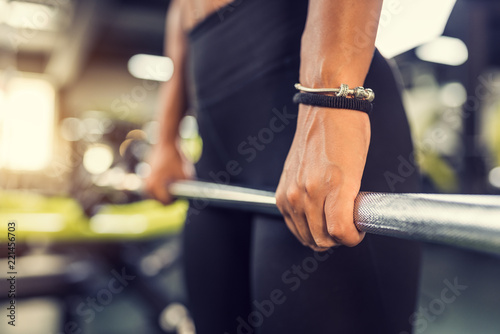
[62, 219]
[494, 134]
[40, 217]
[142, 219]
[438, 170]
[192, 148]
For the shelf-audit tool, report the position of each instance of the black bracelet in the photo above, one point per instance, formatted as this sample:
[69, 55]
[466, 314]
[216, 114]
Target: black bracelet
[335, 102]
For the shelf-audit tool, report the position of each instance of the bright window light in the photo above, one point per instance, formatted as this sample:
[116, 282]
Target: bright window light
[444, 50]
[4, 11]
[28, 15]
[27, 112]
[406, 24]
[151, 67]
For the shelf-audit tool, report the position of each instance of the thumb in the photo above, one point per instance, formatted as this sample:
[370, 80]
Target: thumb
[339, 214]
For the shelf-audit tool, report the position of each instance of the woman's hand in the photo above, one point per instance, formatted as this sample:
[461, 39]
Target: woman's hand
[322, 176]
[168, 165]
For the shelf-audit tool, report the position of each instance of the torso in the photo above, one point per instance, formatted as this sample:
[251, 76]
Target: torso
[194, 11]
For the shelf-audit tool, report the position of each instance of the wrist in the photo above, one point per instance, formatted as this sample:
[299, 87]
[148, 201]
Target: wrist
[332, 75]
[336, 124]
[332, 70]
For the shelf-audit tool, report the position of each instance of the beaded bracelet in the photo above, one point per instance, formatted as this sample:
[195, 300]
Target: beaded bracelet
[358, 98]
[359, 93]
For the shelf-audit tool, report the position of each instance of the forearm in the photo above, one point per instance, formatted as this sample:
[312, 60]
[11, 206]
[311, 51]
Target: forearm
[172, 107]
[173, 96]
[338, 42]
[337, 47]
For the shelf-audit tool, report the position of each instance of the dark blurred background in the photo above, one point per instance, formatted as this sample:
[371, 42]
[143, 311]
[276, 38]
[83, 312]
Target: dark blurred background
[78, 98]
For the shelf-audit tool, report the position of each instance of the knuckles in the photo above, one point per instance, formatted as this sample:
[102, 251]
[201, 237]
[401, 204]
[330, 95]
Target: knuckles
[280, 198]
[292, 196]
[334, 176]
[312, 186]
[311, 189]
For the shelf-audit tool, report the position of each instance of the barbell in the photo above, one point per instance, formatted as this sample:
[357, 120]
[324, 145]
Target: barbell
[467, 221]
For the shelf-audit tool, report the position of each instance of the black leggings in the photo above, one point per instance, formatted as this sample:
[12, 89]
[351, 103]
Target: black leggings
[245, 272]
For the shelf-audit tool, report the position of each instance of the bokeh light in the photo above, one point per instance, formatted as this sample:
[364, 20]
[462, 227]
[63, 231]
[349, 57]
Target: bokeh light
[151, 67]
[444, 50]
[98, 158]
[453, 94]
[494, 177]
[72, 129]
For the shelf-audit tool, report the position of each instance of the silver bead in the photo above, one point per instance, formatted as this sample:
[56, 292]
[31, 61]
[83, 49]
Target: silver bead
[343, 91]
[359, 93]
[370, 94]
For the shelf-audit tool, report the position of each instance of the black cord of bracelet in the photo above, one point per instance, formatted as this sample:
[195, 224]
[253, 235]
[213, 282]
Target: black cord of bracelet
[335, 102]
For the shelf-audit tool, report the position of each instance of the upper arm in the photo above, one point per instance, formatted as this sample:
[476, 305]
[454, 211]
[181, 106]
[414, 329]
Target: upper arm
[175, 45]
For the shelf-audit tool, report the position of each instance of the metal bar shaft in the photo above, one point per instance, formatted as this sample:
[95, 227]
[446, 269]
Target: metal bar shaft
[468, 221]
